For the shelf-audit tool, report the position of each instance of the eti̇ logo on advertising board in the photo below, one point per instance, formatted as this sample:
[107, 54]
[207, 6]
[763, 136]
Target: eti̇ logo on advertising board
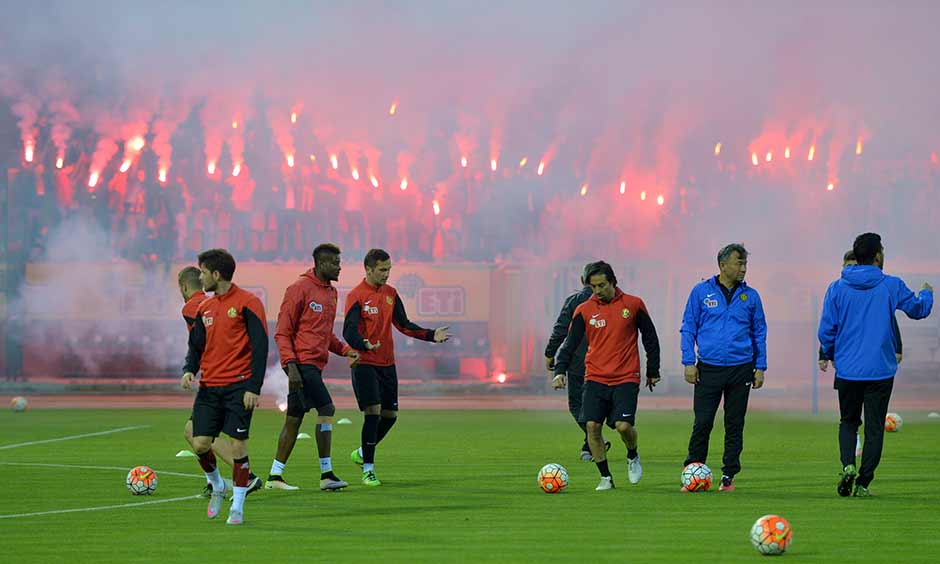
[441, 301]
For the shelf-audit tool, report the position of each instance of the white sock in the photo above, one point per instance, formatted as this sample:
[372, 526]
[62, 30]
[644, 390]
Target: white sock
[238, 504]
[368, 467]
[360, 451]
[277, 467]
[858, 442]
[215, 479]
[326, 464]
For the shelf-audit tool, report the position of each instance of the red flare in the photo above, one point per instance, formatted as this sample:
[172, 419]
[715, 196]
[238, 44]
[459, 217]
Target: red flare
[290, 161]
[28, 151]
[769, 157]
[393, 108]
[831, 186]
[493, 165]
[355, 174]
[234, 124]
[374, 181]
[523, 161]
[623, 187]
[437, 207]
[643, 195]
[59, 162]
[858, 147]
[584, 188]
[812, 153]
[211, 167]
[754, 159]
[463, 162]
[717, 149]
[162, 175]
[334, 162]
[293, 117]
[125, 165]
[786, 153]
[237, 169]
[660, 200]
[541, 168]
[404, 184]
[93, 180]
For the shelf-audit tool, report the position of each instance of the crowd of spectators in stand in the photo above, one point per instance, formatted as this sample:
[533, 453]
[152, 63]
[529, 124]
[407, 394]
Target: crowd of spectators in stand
[274, 212]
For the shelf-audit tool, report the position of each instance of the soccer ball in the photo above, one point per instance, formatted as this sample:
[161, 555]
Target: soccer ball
[893, 422]
[141, 481]
[553, 478]
[696, 477]
[19, 403]
[771, 535]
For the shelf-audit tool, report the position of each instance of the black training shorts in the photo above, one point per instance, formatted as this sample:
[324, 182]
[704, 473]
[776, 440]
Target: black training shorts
[375, 385]
[601, 402]
[313, 395]
[221, 409]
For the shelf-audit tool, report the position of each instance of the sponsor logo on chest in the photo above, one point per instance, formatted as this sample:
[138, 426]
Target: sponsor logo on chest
[598, 323]
[317, 308]
[370, 309]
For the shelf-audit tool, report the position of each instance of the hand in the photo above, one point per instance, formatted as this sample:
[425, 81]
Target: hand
[370, 346]
[691, 374]
[250, 400]
[758, 379]
[926, 286]
[898, 357]
[824, 365]
[353, 356]
[558, 382]
[441, 335]
[651, 381]
[294, 381]
[187, 382]
[549, 363]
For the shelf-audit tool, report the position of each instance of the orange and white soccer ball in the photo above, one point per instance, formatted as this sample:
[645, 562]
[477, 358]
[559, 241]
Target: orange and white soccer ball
[771, 535]
[18, 404]
[696, 477]
[893, 422]
[141, 481]
[553, 478]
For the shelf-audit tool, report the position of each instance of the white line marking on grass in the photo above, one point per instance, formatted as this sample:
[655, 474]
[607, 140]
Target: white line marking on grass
[73, 437]
[83, 467]
[99, 508]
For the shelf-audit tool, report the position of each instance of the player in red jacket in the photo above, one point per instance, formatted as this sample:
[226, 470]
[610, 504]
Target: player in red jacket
[305, 339]
[372, 308]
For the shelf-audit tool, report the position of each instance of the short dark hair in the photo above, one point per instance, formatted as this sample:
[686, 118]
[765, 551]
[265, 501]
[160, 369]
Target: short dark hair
[218, 260]
[322, 250]
[189, 277]
[375, 256]
[849, 255]
[584, 273]
[599, 267]
[725, 253]
[866, 246]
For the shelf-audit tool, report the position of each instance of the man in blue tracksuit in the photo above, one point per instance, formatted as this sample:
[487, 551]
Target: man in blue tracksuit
[725, 319]
[856, 331]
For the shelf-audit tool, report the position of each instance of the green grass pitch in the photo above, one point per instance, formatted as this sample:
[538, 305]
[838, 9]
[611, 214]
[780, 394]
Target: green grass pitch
[460, 486]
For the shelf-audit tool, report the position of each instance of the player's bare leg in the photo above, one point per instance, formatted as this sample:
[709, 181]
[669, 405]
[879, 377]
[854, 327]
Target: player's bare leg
[599, 452]
[628, 435]
[285, 445]
[328, 480]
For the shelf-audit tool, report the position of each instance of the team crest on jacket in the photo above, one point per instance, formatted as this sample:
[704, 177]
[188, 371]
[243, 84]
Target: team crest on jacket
[743, 297]
[232, 312]
[625, 313]
[317, 308]
[389, 300]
